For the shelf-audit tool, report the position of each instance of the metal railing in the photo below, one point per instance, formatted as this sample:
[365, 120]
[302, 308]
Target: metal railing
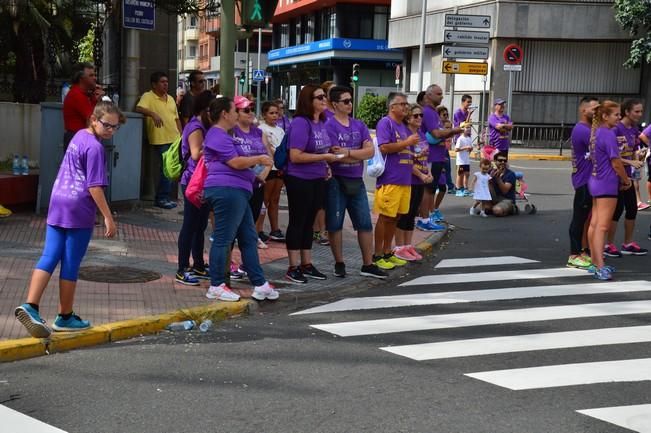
[542, 136]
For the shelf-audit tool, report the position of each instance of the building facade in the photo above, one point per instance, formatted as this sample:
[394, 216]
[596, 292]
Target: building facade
[316, 41]
[570, 48]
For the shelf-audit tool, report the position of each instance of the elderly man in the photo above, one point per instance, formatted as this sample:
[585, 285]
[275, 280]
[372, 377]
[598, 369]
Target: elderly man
[163, 127]
[80, 101]
[502, 188]
[499, 128]
[197, 85]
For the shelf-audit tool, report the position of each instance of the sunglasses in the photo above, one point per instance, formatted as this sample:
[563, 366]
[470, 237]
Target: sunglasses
[244, 110]
[417, 115]
[319, 97]
[346, 101]
[109, 125]
[500, 160]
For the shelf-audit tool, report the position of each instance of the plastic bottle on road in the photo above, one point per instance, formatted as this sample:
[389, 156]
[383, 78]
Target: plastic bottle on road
[186, 325]
[205, 325]
[15, 167]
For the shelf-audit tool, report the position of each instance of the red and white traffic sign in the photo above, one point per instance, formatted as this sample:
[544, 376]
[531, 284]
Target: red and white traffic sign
[398, 72]
[513, 54]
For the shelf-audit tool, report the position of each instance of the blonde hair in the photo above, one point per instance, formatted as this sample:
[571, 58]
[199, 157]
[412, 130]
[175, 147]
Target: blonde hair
[108, 107]
[485, 162]
[606, 107]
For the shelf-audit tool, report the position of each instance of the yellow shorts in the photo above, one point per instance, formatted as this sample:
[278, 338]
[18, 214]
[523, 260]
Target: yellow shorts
[392, 200]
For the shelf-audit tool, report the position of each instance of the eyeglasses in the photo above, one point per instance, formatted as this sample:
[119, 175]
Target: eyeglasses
[109, 125]
[244, 110]
[345, 101]
[500, 160]
[319, 97]
[416, 115]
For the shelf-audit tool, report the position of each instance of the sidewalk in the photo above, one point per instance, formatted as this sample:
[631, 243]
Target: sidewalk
[147, 242]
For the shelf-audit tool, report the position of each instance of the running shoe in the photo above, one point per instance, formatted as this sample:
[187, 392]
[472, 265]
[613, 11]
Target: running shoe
[383, 264]
[265, 291]
[340, 270]
[483, 214]
[467, 193]
[633, 249]
[436, 216]
[201, 272]
[166, 204]
[262, 245]
[602, 274]
[31, 320]
[187, 278]
[294, 274]
[72, 323]
[321, 239]
[403, 254]
[642, 206]
[373, 271]
[263, 236]
[277, 235]
[395, 260]
[310, 271]
[222, 293]
[578, 261]
[592, 269]
[414, 253]
[424, 226]
[459, 193]
[235, 272]
[474, 211]
[4, 212]
[610, 250]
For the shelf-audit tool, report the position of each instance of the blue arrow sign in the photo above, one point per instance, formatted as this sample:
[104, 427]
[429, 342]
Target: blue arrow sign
[258, 75]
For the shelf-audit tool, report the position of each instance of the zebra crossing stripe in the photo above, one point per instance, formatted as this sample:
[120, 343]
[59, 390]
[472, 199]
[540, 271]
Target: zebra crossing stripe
[551, 376]
[444, 321]
[636, 417]
[523, 343]
[374, 302]
[13, 421]
[483, 261]
[525, 274]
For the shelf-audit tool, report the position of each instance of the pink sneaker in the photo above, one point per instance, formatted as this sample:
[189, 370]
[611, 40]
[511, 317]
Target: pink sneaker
[413, 252]
[404, 254]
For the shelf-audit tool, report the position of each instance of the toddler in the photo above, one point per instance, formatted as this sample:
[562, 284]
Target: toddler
[482, 194]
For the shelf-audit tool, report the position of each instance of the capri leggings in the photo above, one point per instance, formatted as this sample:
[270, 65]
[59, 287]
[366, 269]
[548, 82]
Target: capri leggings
[67, 246]
[626, 199]
[406, 222]
[439, 176]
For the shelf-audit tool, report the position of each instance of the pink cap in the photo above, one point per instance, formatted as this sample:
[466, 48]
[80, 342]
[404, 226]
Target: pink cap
[241, 102]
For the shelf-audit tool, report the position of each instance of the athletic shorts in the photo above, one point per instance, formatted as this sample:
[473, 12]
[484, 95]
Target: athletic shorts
[464, 167]
[392, 200]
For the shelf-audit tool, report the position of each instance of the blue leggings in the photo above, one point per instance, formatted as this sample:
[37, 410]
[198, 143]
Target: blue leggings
[67, 246]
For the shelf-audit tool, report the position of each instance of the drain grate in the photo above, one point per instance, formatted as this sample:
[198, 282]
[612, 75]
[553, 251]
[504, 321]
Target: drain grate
[117, 274]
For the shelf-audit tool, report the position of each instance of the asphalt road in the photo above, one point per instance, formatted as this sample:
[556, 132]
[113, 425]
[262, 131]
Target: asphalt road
[275, 372]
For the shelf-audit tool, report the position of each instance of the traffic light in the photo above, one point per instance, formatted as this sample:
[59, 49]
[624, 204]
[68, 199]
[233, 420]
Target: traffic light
[242, 77]
[258, 13]
[355, 72]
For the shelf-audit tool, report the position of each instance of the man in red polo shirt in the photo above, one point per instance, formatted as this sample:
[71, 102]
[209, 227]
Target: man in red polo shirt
[80, 100]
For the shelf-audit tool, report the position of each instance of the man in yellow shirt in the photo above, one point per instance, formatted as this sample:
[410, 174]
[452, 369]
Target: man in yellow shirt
[163, 127]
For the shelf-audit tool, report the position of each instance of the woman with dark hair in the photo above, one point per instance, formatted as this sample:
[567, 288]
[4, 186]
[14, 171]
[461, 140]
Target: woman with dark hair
[195, 220]
[307, 171]
[228, 188]
[283, 119]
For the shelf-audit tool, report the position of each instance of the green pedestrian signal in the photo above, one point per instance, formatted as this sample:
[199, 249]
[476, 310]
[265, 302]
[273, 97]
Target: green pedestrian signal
[257, 13]
[242, 77]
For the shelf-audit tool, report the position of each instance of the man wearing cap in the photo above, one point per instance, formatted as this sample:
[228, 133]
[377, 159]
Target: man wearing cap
[499, 128]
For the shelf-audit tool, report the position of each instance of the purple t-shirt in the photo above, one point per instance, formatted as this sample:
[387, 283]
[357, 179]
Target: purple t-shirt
[432, 121]
[190, 127]
[250, 142]
[350, 137]
[309, 137]
[459, 117]
[397, 168]
[218, 149]
[581, 162]
[284, 122]
[628, 140]
[421, 155]
[83, 166]
[496, 138]
[329, 114]
[604, 179]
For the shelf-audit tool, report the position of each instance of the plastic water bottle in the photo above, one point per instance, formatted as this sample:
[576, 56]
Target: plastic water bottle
[116, 99]
[15, 167]
[64, 91]
[186, 325]
[205, 325]
[25, 166]
[258, 168]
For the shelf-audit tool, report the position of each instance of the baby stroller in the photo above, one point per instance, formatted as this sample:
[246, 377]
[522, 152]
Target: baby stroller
[521, 194]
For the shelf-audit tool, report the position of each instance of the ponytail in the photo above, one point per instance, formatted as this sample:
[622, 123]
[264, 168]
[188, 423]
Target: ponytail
[606, 107]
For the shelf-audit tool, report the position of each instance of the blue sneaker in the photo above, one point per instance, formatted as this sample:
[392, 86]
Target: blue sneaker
[593, 269]
[187, 278]
[436, 216]
[459, 193]
[429, 226]
[74, 323]
[602, 274]
[467, 193]
[31, 320]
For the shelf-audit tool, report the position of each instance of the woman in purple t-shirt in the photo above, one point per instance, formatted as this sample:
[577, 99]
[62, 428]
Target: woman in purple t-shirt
[228, 187]
[307, 171]
[608, 177]
[77, 193]
[645, 137]
[195, 220]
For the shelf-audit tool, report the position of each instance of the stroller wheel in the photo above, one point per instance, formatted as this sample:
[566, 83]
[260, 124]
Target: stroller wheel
[530, 209]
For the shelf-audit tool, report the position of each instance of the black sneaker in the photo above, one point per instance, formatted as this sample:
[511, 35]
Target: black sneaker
[277, 235]
[340, 270]
[373, 271]
[312, 272]
[263, 236]
[200, 273]
[296, 275]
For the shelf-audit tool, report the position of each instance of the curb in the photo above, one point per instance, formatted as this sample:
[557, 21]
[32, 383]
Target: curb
[433, 240]
[23, 348]
[530, 157]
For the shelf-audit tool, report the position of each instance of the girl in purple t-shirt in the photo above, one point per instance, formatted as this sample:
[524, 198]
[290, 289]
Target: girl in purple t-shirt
[77, 193]
[608, 177]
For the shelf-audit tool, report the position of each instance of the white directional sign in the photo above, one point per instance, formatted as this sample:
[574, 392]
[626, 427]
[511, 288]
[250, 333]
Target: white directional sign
[467, 37]
[458, 52]
[476, 21]
[512, 68]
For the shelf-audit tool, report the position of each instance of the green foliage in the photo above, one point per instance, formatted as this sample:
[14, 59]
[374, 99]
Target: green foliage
[86, 46]
[371, 109]
[635, 17]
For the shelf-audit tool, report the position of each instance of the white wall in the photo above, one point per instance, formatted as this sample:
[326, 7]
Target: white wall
[21, 130]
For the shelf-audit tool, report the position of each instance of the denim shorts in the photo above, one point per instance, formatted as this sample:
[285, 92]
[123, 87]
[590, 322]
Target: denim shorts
[357, 206]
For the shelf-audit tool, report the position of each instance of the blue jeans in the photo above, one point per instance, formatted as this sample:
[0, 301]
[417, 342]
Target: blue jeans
[67, 246]
[337, 203]
[164, 184]
[191, 236]
[233, 219]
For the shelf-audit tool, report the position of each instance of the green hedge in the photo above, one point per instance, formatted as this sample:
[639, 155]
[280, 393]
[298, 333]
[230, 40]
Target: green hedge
[371, 109]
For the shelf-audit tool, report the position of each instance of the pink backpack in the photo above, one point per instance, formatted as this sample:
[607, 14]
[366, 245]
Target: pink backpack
[194, 191]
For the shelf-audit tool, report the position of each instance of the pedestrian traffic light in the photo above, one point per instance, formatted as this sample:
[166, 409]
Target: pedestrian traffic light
[242, 77]
[258, 13]
[355, 72]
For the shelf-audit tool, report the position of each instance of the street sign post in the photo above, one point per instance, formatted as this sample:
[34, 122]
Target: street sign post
[465, 68]
[466, 37]
[397, 78]
[462, 52]
[475, 21]
[138, 14]
[258, 75]
[512, 68]
[513, 57]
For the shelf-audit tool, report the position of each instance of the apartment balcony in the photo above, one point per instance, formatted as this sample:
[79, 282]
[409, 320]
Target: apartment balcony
[191, 34]
[240, 61]
[189, 64]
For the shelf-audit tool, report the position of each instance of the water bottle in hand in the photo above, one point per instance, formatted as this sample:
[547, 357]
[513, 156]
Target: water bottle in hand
[205, 325]
[186, 325]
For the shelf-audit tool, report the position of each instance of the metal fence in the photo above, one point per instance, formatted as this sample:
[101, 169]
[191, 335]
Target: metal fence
[542, 136]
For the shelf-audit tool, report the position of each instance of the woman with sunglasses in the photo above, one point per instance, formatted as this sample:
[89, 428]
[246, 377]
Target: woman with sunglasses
[307, 170]
[77, 193]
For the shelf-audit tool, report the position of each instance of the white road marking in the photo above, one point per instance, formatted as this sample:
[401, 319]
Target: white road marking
[551, 376]
[523, 343]
[374, 302]
[483, 261]
[636, 417]
[443, 321]
[525, 274]
[13, 421]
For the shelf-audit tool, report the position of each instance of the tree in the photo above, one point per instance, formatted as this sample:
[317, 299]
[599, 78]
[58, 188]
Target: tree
[635, 17]
[371, 109]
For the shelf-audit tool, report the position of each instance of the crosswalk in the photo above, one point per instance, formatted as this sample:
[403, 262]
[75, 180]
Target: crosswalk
[576, 283]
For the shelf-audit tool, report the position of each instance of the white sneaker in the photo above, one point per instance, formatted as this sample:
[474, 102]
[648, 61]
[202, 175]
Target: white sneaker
[473, 211]
[222, 293]
[483, 214]
[265, 291]
[262, 245]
